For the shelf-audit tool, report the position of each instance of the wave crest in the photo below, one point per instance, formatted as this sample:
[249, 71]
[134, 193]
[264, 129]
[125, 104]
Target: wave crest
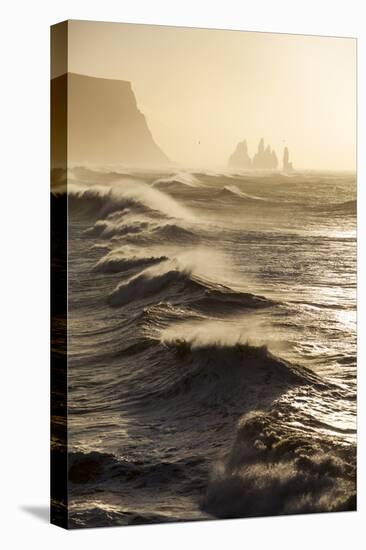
[272, 470]
[102, 200]
[120, 259]
[201, 293]
[234, 190]
[148, 282]
[179, 180]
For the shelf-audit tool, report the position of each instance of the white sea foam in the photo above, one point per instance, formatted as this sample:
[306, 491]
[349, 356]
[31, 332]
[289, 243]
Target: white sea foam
[234, 189]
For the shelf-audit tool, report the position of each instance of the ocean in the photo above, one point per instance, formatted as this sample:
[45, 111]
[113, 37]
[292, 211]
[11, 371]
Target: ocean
[211, 345]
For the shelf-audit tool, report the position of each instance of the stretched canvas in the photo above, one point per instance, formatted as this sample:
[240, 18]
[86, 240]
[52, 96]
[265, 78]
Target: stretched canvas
[203, 203]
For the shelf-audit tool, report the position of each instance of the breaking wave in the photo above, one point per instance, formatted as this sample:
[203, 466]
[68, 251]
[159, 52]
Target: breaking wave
[149, 282]
[201, 293]
[120, 259]
[102, 200]
[181, 179]
[274, 468]
[218, 372]
[140, 228]
[234, 190]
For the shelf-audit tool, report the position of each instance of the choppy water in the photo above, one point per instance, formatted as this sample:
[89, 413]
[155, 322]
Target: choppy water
[212, 345]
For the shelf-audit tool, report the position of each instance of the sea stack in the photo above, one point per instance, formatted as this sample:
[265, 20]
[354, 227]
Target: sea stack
[265, 158]
[287, 166]
[240, 158]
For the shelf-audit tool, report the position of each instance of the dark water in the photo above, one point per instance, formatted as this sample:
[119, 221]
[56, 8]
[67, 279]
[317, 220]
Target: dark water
[212, 345]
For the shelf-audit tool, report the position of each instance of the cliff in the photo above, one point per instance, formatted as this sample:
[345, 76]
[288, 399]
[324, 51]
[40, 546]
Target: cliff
[105, 125]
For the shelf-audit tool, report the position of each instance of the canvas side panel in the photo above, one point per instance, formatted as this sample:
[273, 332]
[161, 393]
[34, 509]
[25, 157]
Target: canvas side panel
[59, 498]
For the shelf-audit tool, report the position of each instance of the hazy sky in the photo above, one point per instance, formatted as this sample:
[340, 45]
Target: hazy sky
[203, 91]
